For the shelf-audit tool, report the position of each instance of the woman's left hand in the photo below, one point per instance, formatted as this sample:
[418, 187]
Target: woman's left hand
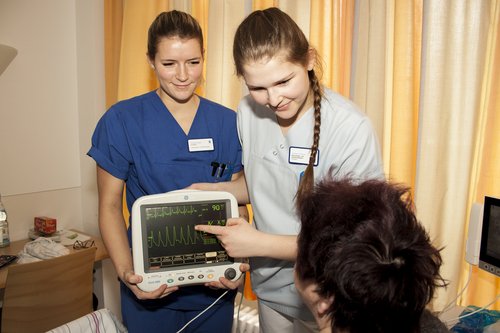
[224, 283]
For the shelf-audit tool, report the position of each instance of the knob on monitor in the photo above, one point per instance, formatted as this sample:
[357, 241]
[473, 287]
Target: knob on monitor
[230, 273]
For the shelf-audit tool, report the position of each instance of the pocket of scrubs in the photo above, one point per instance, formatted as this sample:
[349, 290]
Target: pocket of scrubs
[221, 172]
[272, 192]
[180, 174]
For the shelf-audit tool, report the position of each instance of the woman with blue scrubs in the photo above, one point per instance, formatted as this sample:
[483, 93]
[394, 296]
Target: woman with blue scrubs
[157, 142]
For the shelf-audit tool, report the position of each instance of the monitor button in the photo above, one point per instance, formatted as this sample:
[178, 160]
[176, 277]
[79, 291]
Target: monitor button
[230, 273]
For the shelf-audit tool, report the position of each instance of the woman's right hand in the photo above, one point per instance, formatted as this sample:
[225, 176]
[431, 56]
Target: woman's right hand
[237, 187]
[204, 187]
[131, 280]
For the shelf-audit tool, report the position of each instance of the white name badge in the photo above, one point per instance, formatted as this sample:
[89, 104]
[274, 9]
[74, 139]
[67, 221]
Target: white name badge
[298, 155]
[201, 145]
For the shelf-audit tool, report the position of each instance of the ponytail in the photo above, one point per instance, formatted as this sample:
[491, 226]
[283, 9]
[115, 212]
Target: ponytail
[307, 180]
[266, 33]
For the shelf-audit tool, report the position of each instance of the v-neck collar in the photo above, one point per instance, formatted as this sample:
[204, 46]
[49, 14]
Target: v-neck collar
[164, 109]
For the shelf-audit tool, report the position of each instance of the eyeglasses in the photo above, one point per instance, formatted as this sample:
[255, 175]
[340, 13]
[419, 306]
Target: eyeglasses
[78, 245]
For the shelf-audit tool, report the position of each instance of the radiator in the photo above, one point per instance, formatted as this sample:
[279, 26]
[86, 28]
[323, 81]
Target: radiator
[247, 321]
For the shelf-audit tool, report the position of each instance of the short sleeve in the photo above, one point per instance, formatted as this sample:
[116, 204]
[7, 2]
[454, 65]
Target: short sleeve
[110, 147]
[361, 153]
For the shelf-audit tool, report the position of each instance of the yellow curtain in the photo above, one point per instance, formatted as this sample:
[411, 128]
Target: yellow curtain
[223, 86]
[200, 13]
[426, 77]
[386, 79]
[135, 75]
[292, 8]
[331, 34]
[401, 120]
[455, 44]
[485, 177]
[368, 78]
[263, 4]
[113, 17]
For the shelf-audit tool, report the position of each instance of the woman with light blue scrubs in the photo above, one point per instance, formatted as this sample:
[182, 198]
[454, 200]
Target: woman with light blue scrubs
[294, 132]
[157, 142]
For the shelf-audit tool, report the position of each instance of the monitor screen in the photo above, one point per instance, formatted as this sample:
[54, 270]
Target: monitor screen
[169, 238]
[489, 255]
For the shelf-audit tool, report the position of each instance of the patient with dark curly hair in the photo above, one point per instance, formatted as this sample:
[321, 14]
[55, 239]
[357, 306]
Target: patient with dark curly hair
[365, 263]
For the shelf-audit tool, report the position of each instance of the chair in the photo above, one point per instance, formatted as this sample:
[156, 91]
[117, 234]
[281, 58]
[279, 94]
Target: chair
[42, 295]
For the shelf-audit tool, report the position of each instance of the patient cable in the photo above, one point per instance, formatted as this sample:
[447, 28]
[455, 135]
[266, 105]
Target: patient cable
[453, 302]
[202, 312]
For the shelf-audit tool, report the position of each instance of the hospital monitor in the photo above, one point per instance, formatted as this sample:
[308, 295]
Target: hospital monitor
[167, 249]
[489, 253]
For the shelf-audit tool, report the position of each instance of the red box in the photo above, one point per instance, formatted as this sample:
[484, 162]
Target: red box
[45, 225]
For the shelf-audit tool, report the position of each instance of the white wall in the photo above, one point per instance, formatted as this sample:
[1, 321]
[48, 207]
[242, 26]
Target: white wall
[39, 113]
[39, 129]
[51, 96]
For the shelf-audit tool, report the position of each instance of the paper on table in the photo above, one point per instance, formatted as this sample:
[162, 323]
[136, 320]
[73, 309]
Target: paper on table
[69, 237]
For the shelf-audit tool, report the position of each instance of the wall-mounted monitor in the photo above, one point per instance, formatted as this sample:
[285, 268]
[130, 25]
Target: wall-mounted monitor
[489, 254]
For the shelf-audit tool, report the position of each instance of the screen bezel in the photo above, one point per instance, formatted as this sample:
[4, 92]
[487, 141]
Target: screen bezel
[144, 235]
[489, 202]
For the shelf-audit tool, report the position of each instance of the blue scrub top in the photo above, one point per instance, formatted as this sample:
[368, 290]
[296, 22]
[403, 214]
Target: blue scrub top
[139, 141]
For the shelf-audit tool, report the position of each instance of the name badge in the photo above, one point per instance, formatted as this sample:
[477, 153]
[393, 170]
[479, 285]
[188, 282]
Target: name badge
[298, 155]
[201, 145]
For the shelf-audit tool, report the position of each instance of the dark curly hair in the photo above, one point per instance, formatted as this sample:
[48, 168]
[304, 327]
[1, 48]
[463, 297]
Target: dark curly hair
[362, 244]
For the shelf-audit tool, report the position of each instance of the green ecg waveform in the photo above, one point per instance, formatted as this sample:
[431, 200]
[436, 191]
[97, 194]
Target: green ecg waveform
[184, 235]
[160, 212]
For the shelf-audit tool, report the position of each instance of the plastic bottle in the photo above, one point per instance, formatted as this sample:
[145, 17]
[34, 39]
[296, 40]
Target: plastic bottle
[4, 226]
